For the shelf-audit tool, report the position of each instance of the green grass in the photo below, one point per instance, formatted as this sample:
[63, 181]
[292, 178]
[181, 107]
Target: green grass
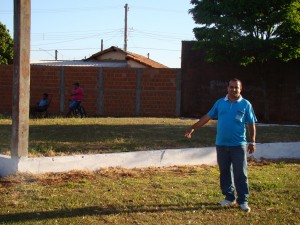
[174, 195]
[65, 136]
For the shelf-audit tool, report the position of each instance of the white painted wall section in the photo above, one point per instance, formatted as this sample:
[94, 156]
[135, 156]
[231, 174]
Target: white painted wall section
[139, 159]
[159, 158]
[278, 150]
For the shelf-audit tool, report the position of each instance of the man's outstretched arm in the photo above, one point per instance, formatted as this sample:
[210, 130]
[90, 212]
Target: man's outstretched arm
[201, 122]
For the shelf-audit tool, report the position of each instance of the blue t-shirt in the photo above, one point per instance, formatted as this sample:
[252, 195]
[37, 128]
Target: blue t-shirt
[232, 119]
[43, 102]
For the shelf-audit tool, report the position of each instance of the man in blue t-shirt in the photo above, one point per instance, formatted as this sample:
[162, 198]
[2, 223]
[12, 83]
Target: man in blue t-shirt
[233, 114]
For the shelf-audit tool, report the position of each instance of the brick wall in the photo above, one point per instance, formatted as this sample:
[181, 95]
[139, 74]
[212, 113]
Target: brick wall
[203, 83]
[6, 75]
[107, 91]
[119, 92]
[43, 79]
[159, 92]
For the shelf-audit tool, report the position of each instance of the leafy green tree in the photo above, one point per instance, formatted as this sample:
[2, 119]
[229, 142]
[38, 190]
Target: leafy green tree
[6, 46]
[248, 32]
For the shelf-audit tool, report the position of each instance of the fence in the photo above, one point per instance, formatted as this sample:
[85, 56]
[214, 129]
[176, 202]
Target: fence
[107, 91]
[275, 98]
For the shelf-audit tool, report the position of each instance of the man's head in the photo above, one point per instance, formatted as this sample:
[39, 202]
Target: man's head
[234, 89]
[45, 95]
[76, 84]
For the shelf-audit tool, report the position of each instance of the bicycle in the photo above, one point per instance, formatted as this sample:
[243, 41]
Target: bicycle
[78, 111]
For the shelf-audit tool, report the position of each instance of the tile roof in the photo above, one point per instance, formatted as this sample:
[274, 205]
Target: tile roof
[129, 56]
[115, 64]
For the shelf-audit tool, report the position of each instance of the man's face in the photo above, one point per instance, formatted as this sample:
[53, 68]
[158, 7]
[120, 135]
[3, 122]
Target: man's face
[234, 89]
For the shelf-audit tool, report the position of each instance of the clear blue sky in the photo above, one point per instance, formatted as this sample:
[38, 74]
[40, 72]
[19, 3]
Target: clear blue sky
[75, 27]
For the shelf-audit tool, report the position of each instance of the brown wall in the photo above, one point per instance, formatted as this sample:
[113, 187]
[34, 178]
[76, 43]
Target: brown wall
[108, 91]
[189, 92]
[203, 83]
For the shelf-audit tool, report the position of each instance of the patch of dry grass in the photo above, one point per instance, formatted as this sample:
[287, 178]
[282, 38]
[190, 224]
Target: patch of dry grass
[172, 195]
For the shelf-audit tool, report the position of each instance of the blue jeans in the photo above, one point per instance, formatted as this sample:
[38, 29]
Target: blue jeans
[232, 161]
[74, 104]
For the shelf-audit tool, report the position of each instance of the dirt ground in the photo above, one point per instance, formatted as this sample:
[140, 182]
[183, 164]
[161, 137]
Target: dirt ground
[51, 178]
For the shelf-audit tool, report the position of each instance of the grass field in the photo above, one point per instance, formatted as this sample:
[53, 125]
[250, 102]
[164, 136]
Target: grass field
[65, 136]
[172, 195]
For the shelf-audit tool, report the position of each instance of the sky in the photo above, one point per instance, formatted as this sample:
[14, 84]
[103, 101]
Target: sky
[75, 28]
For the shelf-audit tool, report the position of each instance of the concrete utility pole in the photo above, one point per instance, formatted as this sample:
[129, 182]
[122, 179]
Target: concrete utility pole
[21, 78]
[125, 30]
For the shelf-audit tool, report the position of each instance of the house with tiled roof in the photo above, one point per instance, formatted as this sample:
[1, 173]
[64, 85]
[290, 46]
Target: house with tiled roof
[115, 54]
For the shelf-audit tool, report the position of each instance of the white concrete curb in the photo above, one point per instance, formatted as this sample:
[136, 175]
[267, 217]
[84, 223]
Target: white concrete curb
[278, 150]
[139, 159]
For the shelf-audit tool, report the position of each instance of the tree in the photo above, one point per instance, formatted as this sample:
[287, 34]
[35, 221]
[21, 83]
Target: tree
[248, 32]
[6, 46]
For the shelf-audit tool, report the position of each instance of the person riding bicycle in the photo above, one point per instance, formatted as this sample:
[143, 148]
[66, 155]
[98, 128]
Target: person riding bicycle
[77, 97]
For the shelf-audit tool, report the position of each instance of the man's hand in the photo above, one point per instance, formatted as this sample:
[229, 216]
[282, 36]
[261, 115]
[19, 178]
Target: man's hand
[201, 122]
[188, 134]
[251, 148]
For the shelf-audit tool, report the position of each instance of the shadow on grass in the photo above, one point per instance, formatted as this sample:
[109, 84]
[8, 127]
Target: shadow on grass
[102, 138]
[87, 139]
[99, 211]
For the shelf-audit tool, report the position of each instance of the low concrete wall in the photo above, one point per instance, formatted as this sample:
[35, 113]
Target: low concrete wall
[289, 150]
[156, 158]
[8, 165]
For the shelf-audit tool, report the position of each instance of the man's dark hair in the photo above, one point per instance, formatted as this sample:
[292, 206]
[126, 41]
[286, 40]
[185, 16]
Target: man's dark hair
[235, 80]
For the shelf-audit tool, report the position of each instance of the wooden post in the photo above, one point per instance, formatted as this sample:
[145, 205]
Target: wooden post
[125, 30]
[21, 79]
